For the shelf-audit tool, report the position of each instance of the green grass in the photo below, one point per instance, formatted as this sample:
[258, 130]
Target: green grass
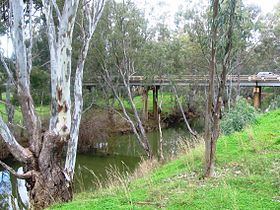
[43, 112]
[247, 177]
[168, 102]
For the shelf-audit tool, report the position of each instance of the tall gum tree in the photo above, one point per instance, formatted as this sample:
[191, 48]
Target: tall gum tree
[48, 181]
[216, 87]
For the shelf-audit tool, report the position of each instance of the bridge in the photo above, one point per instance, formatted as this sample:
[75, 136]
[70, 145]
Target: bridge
[255, 81]
[200, 80]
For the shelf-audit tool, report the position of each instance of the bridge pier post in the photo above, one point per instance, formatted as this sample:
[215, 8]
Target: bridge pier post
[155, 101]
[145, 97]
[257, 92]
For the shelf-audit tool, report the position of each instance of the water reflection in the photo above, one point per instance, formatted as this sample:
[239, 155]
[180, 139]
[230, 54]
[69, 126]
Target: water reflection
[5, 190]
[13, 193]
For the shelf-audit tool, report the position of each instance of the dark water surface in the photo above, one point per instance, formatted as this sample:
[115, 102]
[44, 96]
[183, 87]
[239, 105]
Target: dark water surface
[119, 153]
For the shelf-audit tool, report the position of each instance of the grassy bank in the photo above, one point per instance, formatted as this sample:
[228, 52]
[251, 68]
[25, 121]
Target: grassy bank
[168, 102]
[247, 177]
[43, 112]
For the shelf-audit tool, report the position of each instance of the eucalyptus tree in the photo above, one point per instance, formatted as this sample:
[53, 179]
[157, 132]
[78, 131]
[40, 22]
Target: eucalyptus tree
[266, 53]
[47, 180]
[220, 25]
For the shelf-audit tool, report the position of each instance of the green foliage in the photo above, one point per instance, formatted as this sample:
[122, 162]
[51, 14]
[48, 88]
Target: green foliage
[275, 103]
[244, 178]
[40, 84]
[238, 117]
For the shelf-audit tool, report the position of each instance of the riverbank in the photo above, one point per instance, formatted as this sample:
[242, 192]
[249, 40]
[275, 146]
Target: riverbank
[99, 125]
[247, 177]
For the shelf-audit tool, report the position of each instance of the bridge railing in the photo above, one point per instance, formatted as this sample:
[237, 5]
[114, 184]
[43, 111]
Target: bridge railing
[205, 78]
[193, 79]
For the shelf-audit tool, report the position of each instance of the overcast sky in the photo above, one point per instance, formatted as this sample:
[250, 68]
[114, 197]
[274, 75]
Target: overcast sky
[168, 9]
[172, 5]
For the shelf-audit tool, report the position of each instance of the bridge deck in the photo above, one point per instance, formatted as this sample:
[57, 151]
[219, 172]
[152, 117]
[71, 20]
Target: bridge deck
[234, 80]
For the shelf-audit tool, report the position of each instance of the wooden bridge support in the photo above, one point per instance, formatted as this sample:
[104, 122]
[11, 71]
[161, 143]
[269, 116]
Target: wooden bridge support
[257, 92]
[145, 98]
[155, 101]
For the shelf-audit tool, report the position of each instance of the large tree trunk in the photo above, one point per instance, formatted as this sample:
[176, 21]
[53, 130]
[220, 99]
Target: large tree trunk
[49, 184]
[48, 180]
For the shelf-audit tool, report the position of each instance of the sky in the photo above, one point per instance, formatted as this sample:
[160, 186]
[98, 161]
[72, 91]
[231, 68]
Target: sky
[266, 5]
[168, 9]
[172, 5]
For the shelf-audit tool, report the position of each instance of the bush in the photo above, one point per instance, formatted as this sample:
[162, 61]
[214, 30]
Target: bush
[40, 84]
[236, 119]
[274, 104]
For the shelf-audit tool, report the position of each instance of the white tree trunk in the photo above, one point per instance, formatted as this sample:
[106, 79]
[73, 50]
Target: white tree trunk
[60, 44]
[92, 13]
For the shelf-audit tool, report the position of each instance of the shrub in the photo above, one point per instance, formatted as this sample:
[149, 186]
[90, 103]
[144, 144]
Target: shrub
[274, 104]
[235, 119]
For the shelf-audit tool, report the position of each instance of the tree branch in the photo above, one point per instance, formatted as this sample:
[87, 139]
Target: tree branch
[20, 153]
[27, 175]
[92, 21]
[56, 10]
[8, 71]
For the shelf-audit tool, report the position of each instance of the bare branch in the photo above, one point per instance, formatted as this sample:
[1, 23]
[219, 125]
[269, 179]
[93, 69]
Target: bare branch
[29, 46]
[8, 71]
[56, 10]
[78, 91]
[27, 175]
[20, 153]
[193, 133]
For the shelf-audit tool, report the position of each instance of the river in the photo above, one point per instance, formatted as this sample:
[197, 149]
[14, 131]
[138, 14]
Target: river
[120, 152]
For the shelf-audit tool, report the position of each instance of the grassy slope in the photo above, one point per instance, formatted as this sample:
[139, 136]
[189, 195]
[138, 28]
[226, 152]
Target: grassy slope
[167, 102]
[248, 177]
[43, 111]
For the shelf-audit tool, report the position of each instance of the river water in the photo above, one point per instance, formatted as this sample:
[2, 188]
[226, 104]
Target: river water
[121, 153]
